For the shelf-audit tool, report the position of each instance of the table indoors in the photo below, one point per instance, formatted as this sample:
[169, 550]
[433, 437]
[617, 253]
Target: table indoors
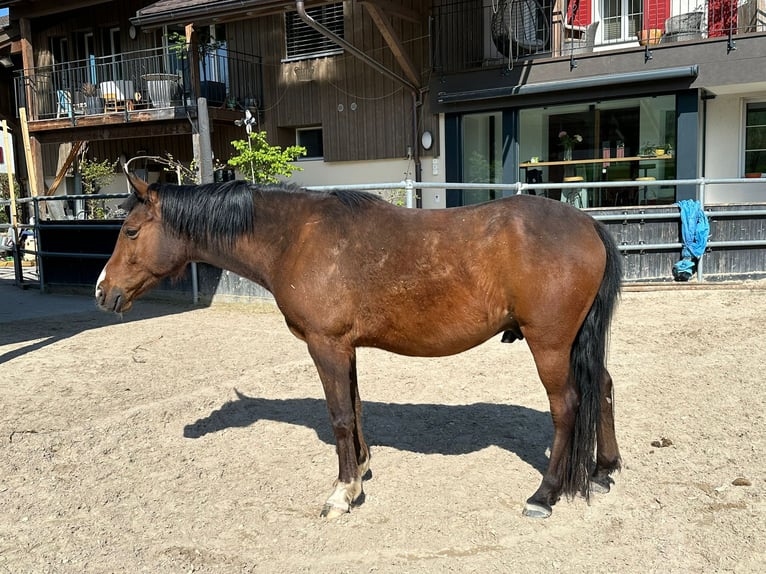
[592, 170]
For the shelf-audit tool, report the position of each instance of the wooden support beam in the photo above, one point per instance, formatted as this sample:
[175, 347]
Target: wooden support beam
[392, 39]
[396, 10]
[76, 147]
[192, 39]
[27, 59]
[134, 129]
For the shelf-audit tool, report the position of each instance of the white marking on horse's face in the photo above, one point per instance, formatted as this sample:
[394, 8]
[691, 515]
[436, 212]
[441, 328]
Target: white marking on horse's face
[99, 280]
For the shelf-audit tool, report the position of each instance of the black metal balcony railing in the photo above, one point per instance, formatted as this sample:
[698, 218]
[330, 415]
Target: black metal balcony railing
[141, 80]
[468, 34]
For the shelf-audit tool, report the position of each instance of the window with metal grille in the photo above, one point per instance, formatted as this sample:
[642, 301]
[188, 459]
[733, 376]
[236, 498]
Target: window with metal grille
[304, 42]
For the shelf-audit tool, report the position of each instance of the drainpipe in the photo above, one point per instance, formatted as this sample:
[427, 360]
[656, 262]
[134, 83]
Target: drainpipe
[356, 52]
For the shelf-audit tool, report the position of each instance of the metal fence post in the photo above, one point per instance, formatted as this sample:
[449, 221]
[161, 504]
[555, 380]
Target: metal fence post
[409, 189]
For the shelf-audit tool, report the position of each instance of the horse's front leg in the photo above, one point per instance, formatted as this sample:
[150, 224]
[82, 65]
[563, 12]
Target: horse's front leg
[336, 365]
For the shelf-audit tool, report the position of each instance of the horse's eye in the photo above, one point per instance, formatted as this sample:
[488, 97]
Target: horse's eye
[131, 233]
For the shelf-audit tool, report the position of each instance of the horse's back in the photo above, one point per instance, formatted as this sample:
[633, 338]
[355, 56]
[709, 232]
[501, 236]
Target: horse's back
[437, 282]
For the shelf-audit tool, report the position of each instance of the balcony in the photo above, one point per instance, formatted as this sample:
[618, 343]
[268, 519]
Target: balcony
[472, 34]
[145, 85]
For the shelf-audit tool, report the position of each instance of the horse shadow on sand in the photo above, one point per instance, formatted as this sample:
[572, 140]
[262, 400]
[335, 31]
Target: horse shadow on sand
[421, 428]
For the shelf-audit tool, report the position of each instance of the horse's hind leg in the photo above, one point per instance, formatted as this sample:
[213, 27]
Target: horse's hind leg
[607, 451]
[337, 370]
[553, 368]
[360, 446]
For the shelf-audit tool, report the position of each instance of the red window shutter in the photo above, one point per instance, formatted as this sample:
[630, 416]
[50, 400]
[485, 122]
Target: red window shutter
[584, 12]
[655, 14]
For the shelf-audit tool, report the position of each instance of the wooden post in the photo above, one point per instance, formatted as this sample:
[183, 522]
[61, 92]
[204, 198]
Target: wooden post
[205, 160]
[27, 63]
[14, 219]
[193, 61]
[34, 157]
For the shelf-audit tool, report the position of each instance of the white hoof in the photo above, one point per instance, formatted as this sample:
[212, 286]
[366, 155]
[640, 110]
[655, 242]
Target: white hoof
[342, 498]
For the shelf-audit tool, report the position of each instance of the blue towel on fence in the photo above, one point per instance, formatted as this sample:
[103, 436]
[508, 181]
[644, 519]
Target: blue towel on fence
[695, 230]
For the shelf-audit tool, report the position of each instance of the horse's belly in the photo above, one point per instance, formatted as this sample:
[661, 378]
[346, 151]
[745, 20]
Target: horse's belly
[435, 340]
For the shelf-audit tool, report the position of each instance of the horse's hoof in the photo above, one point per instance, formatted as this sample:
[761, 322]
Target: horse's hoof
[537, 510]
[601, 485]
[331, 512]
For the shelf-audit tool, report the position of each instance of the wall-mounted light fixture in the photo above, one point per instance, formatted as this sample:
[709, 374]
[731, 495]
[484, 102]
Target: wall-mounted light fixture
[426, 140]
[6, 62]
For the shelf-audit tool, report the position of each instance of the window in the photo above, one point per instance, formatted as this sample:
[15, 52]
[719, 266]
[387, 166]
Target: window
[755, 138]
[311, 139]
[617, 142]
[482, 155]
[622, 19]
[115, 53]
[305, 42]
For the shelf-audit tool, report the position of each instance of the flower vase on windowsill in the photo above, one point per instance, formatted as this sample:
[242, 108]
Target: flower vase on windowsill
[568, 142]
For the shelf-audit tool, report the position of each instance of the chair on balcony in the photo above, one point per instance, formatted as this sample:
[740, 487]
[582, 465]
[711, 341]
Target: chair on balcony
[117, 94]
[579, 39]
[519, 27]
[683, 27]
[65, 107]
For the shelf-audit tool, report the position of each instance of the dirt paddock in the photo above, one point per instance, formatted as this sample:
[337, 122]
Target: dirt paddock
[179, 440]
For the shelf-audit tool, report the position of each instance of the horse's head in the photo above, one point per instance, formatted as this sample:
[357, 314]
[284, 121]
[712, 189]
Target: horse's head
[144, 254]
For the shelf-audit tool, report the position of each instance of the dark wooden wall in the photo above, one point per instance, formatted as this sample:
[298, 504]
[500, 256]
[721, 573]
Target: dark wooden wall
[93, 19]
[364, 115]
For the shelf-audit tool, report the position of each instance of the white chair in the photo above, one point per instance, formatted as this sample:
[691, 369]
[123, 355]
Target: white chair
[116, 94]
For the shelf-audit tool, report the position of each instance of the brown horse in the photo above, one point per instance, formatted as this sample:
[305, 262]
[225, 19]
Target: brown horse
[349, 270]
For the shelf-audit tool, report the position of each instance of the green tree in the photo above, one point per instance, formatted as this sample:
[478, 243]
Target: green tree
[95, 175]
[264, 162]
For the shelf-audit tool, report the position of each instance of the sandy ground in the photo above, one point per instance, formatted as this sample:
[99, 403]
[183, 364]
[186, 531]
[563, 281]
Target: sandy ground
[197, 440]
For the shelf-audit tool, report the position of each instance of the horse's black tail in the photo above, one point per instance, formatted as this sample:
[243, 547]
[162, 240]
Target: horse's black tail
[588, 365]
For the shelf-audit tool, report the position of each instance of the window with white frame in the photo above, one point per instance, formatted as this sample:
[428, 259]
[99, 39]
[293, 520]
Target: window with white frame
[303, 42]
[621, 19]
[755, 138]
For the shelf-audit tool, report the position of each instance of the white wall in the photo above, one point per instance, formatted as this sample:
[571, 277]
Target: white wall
[7, 153]
[317, 172]
[724, 150]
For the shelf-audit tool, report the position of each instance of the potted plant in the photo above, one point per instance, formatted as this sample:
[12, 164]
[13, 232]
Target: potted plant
[649, 37]
[95, 175]
[655, 149]
[94, 104]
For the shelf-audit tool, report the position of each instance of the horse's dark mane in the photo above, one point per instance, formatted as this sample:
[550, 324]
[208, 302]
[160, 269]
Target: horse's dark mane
[355, 199]
[216, 214]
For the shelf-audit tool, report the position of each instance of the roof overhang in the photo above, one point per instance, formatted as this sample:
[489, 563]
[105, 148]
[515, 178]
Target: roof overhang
[166, 12]
[39, 8]
[557, 86]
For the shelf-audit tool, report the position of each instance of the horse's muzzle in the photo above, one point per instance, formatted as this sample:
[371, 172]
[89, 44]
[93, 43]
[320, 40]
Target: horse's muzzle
[113, 300]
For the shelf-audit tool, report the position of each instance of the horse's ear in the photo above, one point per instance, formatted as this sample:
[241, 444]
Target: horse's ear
[141, 187]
